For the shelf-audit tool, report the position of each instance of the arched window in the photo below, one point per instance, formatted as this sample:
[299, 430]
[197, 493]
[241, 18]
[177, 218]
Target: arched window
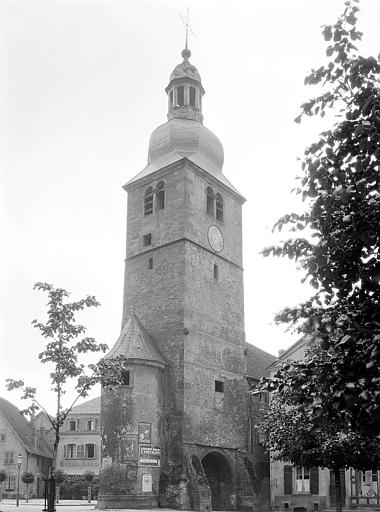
[180, 95]
[192, 96]
[219, 206]
[171, 98]
[210, 201]
[160, 196]
[148, 201]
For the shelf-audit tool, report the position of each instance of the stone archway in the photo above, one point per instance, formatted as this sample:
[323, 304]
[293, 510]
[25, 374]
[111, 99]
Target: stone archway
[219, 477]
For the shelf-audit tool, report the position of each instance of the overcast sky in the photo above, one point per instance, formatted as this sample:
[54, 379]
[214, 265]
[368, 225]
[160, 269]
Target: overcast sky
[82, 88]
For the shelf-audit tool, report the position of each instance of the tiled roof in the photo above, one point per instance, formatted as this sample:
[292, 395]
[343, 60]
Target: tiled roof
[135, 343]
[23, 429]
[89, 407]
[304, 341]
[257, 361]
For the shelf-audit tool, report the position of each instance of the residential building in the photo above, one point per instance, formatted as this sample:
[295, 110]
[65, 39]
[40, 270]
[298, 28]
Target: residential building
[79, 446]
[18, 437]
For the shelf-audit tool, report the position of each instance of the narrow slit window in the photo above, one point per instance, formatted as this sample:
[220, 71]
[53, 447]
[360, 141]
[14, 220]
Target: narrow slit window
[147, 240]
[210, 201]
[160, 196]
[192, 96]
[216, 273]
[148, 201]
[171, 98]
[180, 95]
[219, 207]
[219, 386]
[150, 263]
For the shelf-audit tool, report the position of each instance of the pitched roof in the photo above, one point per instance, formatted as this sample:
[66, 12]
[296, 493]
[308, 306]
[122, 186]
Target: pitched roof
[89, 407]
[135, 343]
[305, 340]
[23, 429]
[257, 361]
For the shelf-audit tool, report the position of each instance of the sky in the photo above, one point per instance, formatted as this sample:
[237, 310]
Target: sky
[82, 88]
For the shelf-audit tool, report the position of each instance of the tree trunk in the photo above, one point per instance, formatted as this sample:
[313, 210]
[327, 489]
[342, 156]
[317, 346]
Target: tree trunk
[27, 493]
[57, 489]
[1, 491]
[338, 490]
[89, 493]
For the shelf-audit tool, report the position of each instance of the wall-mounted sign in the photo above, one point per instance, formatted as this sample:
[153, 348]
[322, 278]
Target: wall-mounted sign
[145, 433]
[128, 449]
[146, 482]
[149, 456]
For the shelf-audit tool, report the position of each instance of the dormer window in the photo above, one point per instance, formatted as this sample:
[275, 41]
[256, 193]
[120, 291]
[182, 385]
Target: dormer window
[192, 96]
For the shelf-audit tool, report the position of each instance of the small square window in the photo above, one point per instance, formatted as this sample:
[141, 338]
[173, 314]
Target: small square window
[150, 263]
[3, 437]
[216, 272]
[73, 425]
[219, 386]
[147, 240]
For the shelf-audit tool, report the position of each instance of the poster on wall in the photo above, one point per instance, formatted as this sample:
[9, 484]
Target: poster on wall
[149, 456]
[128, 449]
[145, 433]
[147, 482]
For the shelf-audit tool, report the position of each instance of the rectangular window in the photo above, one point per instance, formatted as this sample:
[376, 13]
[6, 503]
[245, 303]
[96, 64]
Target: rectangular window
[10, 483]
[147, 240]
[125, 377]
[91, 424]
[73, 424]
[216, 273]
[90, 451]
[3, 437]
[70, 451]
[219, 386]
[263, 397]
[9, 458]
[180, 95]
[150, 263]
[80, 451]
[302, 480]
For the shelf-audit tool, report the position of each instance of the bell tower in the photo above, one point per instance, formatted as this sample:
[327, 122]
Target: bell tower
[183, 290]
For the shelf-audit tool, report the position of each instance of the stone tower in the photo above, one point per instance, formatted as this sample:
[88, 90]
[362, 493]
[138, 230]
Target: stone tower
[183, 320]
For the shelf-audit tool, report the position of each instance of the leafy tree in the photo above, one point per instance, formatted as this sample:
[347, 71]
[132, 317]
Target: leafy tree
[28, 478]
[340, 254]
[89, 477]
[330, 401]
[63, 348]
[3, 477]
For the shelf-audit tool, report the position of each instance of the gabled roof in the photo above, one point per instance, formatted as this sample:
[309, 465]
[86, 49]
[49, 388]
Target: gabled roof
[257, 361]
[305, 340]
[23, 430]
[89, 407]
[135, 343]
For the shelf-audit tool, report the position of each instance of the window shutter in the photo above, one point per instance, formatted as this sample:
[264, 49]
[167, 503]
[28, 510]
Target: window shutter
[288, 478]
[314, 481]
[65, 451]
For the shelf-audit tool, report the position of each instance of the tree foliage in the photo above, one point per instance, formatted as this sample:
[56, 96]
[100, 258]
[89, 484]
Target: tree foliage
[27, 477]
[340, 253]
[65, 343]
[3, 475]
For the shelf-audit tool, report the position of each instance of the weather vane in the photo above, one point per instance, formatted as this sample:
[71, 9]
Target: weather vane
[187, 25]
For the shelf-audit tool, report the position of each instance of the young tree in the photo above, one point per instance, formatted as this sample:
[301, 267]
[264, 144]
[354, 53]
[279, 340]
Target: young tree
[28, 478]
[65, 343]
[341, 257]
[59, 478]
[330, 401]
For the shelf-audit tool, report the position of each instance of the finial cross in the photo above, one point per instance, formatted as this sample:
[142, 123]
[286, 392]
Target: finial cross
[187, 25]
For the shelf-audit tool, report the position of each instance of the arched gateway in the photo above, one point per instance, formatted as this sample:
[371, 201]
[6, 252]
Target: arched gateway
[219, 476]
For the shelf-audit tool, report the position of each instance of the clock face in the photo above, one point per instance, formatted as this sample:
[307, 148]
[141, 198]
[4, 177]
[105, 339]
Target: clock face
[215, 238]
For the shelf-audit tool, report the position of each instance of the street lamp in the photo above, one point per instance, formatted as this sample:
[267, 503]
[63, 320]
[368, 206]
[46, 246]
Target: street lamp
[18, 462]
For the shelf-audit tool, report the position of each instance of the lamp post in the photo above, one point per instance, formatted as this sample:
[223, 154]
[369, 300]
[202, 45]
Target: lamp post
[18, 462]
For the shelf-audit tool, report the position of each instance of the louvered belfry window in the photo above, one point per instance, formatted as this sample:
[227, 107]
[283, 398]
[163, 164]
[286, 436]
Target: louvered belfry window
[148, 201]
